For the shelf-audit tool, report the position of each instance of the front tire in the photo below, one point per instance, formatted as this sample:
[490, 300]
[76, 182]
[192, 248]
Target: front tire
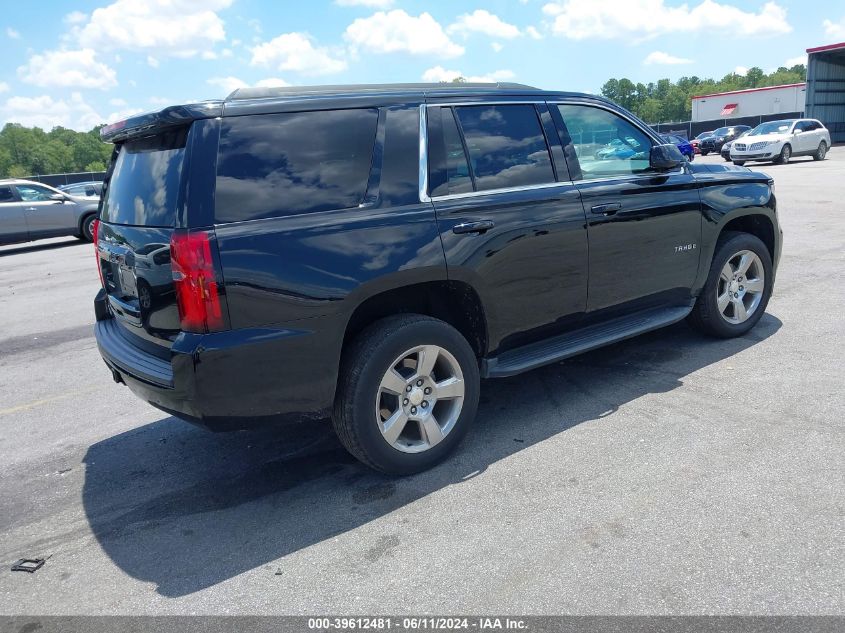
[821, 152]
[703, 153]
[407, 394]
[738, 287]
[785, 155]
[739, 163]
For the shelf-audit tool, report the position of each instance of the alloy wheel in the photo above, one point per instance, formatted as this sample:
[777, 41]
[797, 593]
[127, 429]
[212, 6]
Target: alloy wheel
[740, 288]
[419, 399]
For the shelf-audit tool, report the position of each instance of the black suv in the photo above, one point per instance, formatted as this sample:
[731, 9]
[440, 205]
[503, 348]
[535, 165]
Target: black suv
[371, 253]
[715, 141]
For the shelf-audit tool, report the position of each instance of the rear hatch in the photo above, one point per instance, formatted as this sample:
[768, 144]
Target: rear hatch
[137, 220]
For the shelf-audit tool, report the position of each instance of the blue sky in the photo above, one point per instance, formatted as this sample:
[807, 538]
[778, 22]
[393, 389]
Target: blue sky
[77, 63]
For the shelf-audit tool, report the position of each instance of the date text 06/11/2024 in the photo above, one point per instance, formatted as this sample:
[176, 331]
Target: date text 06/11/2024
[416, 623]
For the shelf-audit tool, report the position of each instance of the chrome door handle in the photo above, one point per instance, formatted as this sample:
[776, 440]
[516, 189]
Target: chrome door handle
[606, 209]
[481, 226]
[30, 209]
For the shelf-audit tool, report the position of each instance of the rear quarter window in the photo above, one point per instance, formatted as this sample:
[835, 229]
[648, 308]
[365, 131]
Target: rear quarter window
[273, 165]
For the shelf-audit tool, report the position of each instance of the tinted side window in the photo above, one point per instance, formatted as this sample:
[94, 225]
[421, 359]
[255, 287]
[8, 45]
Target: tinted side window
[605, 143]
[6, 194]
[451, 174]
[273, 165]
[34, 193]
[506, 146]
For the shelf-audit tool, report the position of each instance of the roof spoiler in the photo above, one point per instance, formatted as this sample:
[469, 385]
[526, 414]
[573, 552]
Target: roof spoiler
[151, 123]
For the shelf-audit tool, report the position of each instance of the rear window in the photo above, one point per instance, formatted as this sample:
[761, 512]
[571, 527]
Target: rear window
[6, 194]
[144, 185]
[273, 165]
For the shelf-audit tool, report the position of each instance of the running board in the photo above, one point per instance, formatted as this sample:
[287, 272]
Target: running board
[563, 346]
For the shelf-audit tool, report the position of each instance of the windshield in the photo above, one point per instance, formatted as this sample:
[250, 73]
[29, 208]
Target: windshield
[772, 127]
[144, 185]
[722, 131]
[704, 135]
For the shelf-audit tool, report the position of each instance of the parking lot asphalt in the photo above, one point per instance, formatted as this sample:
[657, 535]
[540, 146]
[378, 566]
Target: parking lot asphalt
[669, 474]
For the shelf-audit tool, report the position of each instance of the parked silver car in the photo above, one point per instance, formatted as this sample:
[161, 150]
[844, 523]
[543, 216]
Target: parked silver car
[87, 190]
[32, 211]
[779, 141]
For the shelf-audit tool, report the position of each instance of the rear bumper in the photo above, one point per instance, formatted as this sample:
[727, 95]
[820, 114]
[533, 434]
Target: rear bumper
[231, 380]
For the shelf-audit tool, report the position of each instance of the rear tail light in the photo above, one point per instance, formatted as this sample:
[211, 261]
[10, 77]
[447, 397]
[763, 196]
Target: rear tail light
[198, 292]
[95, 236]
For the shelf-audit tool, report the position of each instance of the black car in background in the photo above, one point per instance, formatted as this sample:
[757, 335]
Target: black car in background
[719, 137]
[369, 253]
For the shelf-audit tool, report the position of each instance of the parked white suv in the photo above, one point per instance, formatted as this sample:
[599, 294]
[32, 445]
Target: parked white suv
[778, 141]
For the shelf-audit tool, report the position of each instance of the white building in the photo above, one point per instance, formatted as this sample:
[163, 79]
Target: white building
[787, 99]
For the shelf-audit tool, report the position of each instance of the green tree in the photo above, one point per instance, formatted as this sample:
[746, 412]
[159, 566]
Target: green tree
[30, 151]
[666, 101]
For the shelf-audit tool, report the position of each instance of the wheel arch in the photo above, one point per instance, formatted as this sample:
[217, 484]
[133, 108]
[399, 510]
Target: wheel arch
[757, 224]
[454, 302]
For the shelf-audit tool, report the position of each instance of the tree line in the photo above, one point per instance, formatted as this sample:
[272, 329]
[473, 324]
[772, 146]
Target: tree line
[31, 151]
[667, 101]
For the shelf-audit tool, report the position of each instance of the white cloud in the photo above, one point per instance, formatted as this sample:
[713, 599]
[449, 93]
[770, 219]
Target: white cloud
[230, 84]
[644, 19]
[834, 30]
[181, 28]
[496, 47]
[45, 112]
[741, 70]
[533, 33]
[794, 61]
[271, 82]
[659, 57]
[438, 73]
[75, 17]
[296, 52]
[397, 31]
[72, 69]
[12, 33]
[4, 87]
[373, 4]
[481, 21]
[118, 103]
[122, 114]
[152, 61]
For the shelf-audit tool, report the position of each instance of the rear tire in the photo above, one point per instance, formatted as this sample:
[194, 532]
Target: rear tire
[707, 316]
[378, 365]
[88, 227]
[703, 153]
[821, 152]
[739, 163]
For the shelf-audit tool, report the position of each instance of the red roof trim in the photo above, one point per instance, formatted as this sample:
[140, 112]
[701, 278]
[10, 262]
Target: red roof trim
[828, 47]
[737, 92]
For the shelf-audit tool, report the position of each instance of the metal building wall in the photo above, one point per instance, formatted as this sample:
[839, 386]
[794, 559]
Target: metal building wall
[826, 89]
[764, 101]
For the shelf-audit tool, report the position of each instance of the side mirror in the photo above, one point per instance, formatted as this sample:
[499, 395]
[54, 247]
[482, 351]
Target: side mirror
[58, 197]
[665, 158]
